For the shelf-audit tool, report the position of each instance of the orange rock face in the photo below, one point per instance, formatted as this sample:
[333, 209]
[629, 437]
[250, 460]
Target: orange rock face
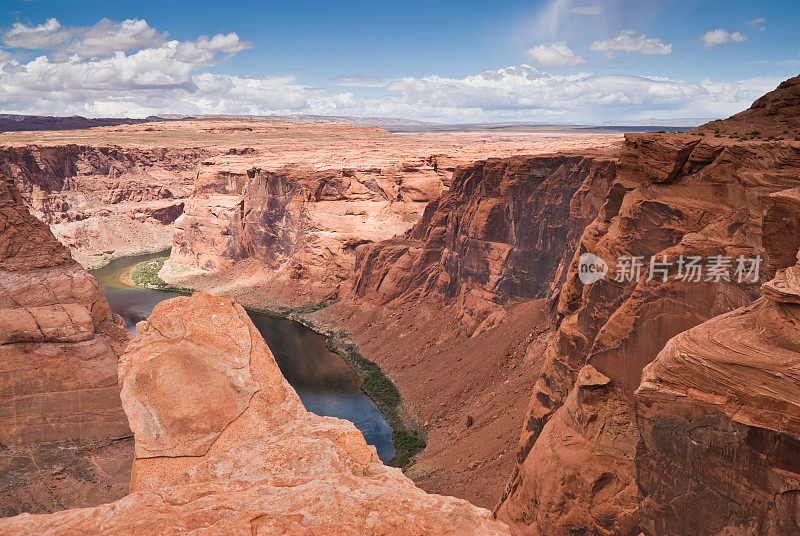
[65, 437]
[286, 213]
[505, 230]
[719, 416]
[675, 194]
[261, 464]
[102, 200]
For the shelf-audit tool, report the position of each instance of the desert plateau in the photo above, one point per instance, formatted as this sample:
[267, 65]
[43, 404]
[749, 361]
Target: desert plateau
[243, 293]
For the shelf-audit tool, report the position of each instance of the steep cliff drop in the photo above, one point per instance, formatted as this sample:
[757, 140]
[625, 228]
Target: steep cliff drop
[676, 196]
[279, 223]
[256, 462]
[64, 439]
[719, 414]
[449, 308]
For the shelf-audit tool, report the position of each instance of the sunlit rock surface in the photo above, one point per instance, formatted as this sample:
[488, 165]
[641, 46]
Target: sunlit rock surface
[259, 464]
[64, 439]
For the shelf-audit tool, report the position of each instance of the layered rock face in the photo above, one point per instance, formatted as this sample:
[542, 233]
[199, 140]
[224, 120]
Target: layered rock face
[675, 195]
[301, 224]
[65, 439]
[719, 416]
[224, 446]
[284, 220]
[103, 200]
[505, 230]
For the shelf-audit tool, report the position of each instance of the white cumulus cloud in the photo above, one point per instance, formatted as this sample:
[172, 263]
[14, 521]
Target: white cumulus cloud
[130, 69]
[43, 36]
[553, 55]
[720, 36]
[627, 42]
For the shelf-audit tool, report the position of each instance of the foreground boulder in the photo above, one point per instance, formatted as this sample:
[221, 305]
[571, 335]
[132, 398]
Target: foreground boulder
[64, 438]
[224, 446]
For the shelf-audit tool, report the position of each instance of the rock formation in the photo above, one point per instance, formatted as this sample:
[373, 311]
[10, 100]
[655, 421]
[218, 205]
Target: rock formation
[449, 308]
[776, 114]
[285, 220]
[64, 439]
[675, 196]
[301, 223]
[224, 446]
[505, 230]
[719, 416]
[103, 200]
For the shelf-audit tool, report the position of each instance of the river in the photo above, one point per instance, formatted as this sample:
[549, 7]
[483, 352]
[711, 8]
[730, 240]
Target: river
[325, 383]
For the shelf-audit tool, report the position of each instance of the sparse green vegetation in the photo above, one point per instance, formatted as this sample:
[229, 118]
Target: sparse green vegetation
[378, 386]
[406, 445]
[145, 274]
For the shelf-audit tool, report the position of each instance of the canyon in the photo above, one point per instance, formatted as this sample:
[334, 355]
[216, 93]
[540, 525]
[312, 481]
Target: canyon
[653, 406]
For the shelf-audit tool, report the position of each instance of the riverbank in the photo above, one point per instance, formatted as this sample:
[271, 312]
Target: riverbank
[408, 436]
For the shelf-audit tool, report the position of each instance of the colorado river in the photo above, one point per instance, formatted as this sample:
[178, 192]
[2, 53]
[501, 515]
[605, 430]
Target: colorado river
[326, 384]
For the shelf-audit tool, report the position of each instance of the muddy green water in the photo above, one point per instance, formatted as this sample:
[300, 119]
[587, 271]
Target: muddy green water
[326, 384]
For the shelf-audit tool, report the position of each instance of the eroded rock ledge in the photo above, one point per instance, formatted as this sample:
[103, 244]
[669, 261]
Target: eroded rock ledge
[64, 439]
[719, 416]
[690, 194]
[224, 446]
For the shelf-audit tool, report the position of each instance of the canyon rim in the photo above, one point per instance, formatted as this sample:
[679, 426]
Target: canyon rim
[248, 294]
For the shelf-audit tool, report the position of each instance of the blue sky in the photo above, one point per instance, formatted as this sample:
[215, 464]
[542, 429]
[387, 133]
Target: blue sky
[574, 61]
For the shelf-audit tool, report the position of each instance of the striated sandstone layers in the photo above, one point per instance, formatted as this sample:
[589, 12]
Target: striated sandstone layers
[719, 416]
[506, 230]
[224, 446]
[64, 439]
[675, 194]
[283, 221]
[103, 200]
[462, 295]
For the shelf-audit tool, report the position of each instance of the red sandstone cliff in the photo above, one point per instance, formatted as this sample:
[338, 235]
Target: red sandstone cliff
[64, 439]
[675, 194]
[103, 200]
[224, 446]
[299, 223]
[506, 230]
[449, 308]
[718, 412]
[278, 221]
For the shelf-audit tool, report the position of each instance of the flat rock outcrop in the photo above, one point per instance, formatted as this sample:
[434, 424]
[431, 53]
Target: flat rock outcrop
[64, 438]
[719, 416]
[224, 446]
[676, 196]
[505, 230]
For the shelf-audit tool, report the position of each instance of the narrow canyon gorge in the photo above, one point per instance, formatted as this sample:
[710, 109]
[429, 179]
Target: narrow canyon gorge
[660, 406]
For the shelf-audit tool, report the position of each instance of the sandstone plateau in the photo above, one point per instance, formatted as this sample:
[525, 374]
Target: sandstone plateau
[224, 446]
[64, 439]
